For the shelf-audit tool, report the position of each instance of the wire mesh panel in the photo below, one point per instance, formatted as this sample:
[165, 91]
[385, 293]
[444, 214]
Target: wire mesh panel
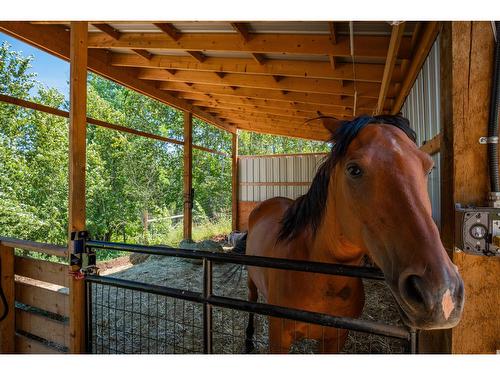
[132, 321]
[129, 322]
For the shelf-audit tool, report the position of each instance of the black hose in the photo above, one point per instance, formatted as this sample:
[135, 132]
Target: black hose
[2, 297]
[493, 120]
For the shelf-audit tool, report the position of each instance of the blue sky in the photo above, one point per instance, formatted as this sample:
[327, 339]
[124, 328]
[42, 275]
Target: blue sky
[51, 71]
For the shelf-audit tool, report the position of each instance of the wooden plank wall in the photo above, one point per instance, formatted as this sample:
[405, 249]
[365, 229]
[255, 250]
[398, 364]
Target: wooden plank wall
[467, 60]
[42, 306]
[7, 283]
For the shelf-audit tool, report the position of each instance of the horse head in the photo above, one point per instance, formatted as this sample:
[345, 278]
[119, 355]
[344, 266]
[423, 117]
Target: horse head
[379, 183]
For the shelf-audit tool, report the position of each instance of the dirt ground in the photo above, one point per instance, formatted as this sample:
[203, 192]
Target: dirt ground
[126, 321]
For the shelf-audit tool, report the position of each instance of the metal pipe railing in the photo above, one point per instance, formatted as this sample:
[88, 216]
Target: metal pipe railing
[248, 260]
[209, 300]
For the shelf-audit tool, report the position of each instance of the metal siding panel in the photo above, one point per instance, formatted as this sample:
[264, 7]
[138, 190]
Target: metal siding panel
[422, 108]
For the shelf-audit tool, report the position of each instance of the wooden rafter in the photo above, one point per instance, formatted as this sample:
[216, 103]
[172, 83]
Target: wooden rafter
[169, 29]
[220, 108]
[290, 68]
[317, 44]
[290, 96]
[259, 57]
[108, 29]
[198, 56]
[326, 86]
[241, 29]
[55, 40]
[392, 53]
[291, 111]
[333, 32]
[143, 53]
[271, 103]
[429, 34]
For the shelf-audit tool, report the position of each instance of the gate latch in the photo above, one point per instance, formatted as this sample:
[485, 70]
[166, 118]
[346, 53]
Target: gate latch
[83, 258]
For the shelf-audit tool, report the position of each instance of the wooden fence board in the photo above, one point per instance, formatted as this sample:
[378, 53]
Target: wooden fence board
[41, 326]
[29, 346]
[42, 270]
[44, 299]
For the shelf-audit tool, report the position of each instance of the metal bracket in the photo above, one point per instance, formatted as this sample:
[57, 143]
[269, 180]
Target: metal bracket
[82, 258]
[486, 140]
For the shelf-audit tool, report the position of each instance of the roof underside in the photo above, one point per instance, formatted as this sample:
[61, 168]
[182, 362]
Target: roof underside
[268, 77]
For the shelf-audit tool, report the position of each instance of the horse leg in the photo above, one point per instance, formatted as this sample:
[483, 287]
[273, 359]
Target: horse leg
[334, 340]
[280, 335]
[253, 295]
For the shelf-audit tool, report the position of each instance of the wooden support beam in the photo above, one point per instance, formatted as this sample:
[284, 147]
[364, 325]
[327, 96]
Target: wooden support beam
[328, 108]
[143, 53]
[251, 108]
[290, 96]
[274, 82]
[290, 68]
[234, 181]
[466, 71]
[169, 29]
[432, 146]
[188, 176]
[259, 57]
[198, 56]
[7, 325]
[333, 62]
[241, 29]
[390, 62]
[333, 32]
[282, 129]
[55, 40]
[314, 44]
[110, 30]
[77, 164]
[429, 34]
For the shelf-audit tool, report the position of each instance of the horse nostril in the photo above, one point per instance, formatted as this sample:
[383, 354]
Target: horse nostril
[412, 290]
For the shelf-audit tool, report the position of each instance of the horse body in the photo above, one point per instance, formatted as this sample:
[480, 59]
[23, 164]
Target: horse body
[368, 197]
[314, 292]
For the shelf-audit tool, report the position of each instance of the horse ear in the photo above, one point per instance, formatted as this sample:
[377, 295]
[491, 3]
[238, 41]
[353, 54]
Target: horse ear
[331, 124]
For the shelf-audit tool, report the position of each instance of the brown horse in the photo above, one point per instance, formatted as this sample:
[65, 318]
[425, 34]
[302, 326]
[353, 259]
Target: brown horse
[368, 197]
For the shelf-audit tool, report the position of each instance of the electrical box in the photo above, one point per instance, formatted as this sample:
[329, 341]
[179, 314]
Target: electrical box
[477, 230]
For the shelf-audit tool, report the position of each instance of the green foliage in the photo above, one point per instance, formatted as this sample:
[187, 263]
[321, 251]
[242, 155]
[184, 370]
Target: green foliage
[129, 178]
[264, 144]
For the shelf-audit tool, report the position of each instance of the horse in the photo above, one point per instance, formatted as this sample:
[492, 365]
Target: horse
[370, 197]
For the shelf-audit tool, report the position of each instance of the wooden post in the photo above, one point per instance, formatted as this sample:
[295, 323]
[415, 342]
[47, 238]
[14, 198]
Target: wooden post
[77, 162]
[7, 326]
[467, 61]
[188, 175]
[235, 181]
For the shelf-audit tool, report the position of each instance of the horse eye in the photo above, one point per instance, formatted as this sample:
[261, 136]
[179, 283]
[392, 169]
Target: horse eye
[354, 170]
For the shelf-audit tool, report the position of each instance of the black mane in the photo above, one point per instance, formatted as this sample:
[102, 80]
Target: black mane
[308, 209]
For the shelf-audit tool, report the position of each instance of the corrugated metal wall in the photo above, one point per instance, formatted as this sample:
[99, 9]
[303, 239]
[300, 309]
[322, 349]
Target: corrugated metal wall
[422, 108]
[264, 177]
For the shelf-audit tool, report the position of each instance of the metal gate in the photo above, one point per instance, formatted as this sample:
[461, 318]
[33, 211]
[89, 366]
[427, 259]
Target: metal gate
[128, 316]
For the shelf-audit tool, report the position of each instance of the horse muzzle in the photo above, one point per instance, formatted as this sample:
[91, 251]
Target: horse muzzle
[433, 300]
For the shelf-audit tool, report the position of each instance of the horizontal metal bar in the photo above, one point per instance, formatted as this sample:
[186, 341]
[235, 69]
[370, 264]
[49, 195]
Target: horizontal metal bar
[148, 288]
[259, 308]
[249, 260]
[312, 317]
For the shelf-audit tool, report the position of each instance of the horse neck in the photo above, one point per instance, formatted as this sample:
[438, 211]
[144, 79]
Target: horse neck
[329, 244]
